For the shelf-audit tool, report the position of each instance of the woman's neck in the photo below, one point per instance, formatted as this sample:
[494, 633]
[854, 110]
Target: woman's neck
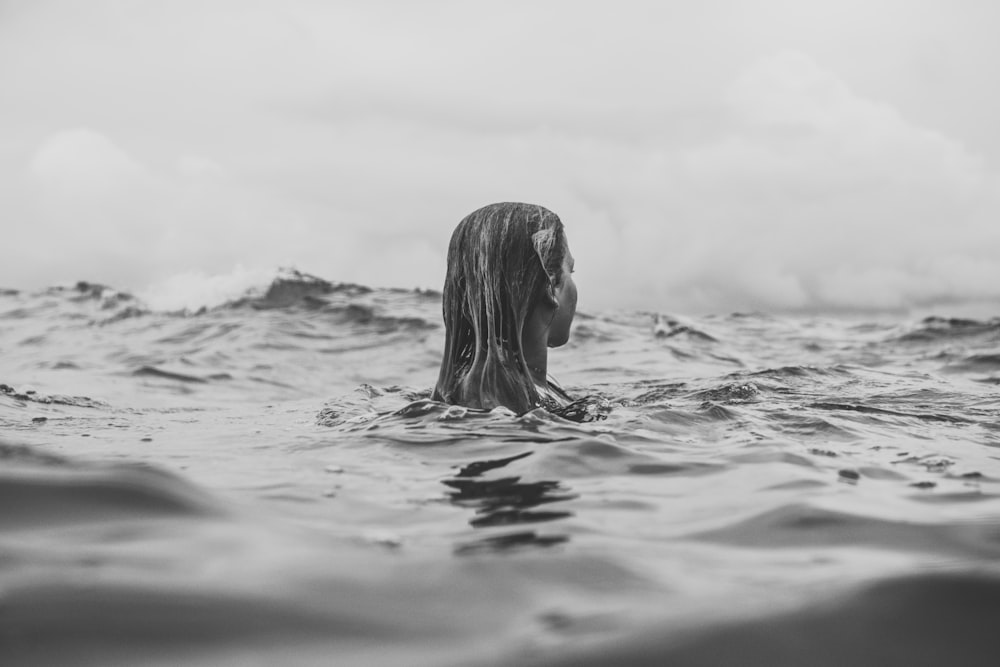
[535, 347]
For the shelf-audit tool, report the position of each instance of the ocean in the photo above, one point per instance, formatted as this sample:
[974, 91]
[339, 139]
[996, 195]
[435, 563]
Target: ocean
[266, 482]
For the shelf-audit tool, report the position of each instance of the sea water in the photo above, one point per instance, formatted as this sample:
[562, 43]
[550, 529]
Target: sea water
[267, 482]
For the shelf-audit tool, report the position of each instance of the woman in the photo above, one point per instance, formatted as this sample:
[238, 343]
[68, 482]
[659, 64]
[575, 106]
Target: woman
[508, 297]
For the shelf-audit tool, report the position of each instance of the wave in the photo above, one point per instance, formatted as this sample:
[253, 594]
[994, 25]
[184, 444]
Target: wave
[107, 297]
[938, 329]
[669, 327]
[803, 525]
[83, 300]
[868, 409]
[30, 395]
[153, 371]
[14, 454]
[384, 310]
[283, 288]
[787, 372]
[291, 287]
[39, 489]
[925, 619]
[193, 295]
[974, 363]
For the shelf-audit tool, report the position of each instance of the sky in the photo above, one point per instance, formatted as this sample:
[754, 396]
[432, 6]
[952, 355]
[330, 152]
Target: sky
[710, 156]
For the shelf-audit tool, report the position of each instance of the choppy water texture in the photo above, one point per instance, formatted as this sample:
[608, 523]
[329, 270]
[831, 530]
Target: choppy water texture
[267, 483]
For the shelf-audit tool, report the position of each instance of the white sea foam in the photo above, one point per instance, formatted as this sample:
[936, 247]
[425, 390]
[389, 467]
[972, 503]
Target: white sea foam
[193, 290]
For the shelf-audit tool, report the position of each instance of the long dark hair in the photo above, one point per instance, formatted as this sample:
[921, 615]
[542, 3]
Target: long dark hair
[503, 259]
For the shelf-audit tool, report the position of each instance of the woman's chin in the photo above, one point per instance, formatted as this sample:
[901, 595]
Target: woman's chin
[558, 341]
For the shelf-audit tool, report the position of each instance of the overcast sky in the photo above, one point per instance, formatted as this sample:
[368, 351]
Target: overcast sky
[714, 155]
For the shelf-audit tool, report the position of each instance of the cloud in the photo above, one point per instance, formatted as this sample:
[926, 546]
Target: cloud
[90, 209]
[695, 169]
[85, 164]
[818, 198]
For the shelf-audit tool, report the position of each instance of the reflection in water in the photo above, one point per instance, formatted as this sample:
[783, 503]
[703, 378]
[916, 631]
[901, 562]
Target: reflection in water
[528, 538]
[506, 501]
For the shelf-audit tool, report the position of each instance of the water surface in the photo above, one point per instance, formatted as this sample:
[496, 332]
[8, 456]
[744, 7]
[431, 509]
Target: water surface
[267, 483]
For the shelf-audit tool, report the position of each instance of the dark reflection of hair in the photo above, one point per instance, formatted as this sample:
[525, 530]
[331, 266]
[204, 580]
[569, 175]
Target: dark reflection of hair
[501, 260]
[506, 501]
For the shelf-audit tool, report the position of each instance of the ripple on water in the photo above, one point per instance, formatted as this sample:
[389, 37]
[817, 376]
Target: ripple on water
[894, 622]
[802, 525]
[70, 496]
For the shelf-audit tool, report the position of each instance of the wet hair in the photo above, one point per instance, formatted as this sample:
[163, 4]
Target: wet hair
[503, 260]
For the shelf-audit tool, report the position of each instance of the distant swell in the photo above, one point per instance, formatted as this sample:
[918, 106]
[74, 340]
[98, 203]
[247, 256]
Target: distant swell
[935, 329]
[296, 288]
[344, 300]
[926, 416]
[152, 371]
[288, 289]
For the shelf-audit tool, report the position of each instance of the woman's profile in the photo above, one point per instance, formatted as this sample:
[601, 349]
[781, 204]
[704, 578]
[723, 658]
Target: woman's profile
[508, 296]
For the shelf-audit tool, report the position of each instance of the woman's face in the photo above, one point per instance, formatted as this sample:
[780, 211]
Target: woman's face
[566, 298]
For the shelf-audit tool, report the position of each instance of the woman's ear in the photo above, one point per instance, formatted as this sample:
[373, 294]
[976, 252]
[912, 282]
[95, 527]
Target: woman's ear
[550, 294]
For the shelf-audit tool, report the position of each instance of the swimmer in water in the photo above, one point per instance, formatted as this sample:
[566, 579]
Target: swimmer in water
[509, 295]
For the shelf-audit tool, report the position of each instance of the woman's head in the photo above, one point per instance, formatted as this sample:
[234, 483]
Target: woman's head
[509, 266]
